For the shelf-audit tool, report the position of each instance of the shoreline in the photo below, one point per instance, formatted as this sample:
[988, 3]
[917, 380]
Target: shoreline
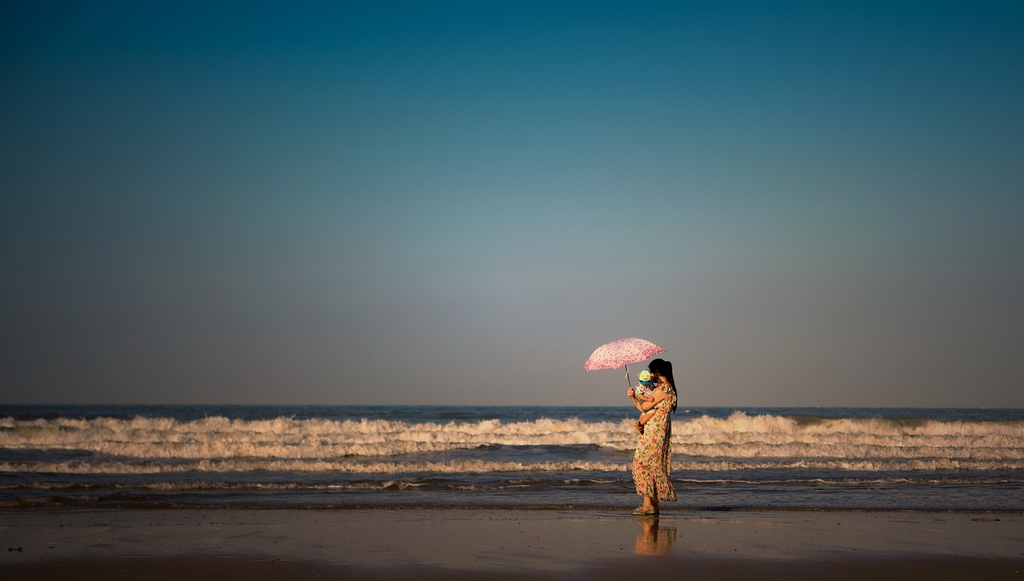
[413, 506]
[221, 544]
[228, 569]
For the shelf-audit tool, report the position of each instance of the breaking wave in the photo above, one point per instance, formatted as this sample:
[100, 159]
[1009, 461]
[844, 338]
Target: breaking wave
[217, 444]
[481, 466]
[219, 437]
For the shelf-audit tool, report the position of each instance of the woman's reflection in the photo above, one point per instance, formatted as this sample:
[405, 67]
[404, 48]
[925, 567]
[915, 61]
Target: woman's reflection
[654, 540]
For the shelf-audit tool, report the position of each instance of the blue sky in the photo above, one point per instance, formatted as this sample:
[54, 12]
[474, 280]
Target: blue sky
[455, 203]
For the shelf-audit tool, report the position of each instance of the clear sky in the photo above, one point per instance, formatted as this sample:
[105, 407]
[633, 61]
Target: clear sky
[804, 203]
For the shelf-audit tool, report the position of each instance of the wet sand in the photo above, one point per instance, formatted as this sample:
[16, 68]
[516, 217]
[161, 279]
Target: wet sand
[383, 544]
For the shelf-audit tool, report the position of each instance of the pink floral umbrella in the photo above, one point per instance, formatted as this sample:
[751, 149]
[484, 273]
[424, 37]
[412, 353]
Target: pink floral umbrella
[621, 353]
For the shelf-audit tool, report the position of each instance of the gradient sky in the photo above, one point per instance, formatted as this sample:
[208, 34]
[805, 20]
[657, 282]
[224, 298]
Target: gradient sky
[454, 203]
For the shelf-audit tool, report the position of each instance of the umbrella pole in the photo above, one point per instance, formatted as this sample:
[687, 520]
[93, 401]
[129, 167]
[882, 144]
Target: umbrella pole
[628, 384]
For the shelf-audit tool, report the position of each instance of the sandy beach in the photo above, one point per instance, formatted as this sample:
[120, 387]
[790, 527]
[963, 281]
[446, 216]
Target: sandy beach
[506, 544]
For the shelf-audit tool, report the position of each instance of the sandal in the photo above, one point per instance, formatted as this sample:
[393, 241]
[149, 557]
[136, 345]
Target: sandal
[641, 511]
[639, 427]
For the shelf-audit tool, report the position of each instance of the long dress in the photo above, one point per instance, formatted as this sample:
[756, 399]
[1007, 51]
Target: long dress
[652, 461]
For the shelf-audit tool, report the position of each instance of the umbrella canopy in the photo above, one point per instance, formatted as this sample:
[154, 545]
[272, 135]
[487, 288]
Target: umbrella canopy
[621, 353]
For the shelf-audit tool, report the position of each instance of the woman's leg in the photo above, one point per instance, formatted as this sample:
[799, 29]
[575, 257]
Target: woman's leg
[652, 501]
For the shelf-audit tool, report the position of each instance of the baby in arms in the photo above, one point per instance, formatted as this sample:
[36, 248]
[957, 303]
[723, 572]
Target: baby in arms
[643, 392]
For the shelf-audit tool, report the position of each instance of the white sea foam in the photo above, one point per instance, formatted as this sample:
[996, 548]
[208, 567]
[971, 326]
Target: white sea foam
[218, 437]
[286, 444]
[479, 466]
[502, 484]
[350, 467]
[743, 436]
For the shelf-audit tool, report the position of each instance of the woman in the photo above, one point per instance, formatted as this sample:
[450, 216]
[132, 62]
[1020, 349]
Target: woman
[652, 460]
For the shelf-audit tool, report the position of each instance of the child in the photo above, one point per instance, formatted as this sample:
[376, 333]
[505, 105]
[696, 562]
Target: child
[643, 393]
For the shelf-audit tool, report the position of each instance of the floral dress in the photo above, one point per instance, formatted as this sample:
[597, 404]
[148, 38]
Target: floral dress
[652, 461]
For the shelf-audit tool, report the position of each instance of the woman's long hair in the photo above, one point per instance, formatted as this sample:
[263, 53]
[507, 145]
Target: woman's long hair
[663, 368]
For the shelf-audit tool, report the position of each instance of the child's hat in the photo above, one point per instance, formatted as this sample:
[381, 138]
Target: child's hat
[644, 376]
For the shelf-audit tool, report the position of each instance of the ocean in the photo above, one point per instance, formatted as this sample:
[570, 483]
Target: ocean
[351, 457]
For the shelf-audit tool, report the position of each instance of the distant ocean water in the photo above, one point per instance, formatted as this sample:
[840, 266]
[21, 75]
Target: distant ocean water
[368, 456]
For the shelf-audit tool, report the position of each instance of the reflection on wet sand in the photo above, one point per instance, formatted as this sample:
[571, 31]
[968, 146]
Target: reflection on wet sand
[654, 540]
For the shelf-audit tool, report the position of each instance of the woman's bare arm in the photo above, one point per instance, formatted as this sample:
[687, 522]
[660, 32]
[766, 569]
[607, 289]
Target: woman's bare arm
[643, 406]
